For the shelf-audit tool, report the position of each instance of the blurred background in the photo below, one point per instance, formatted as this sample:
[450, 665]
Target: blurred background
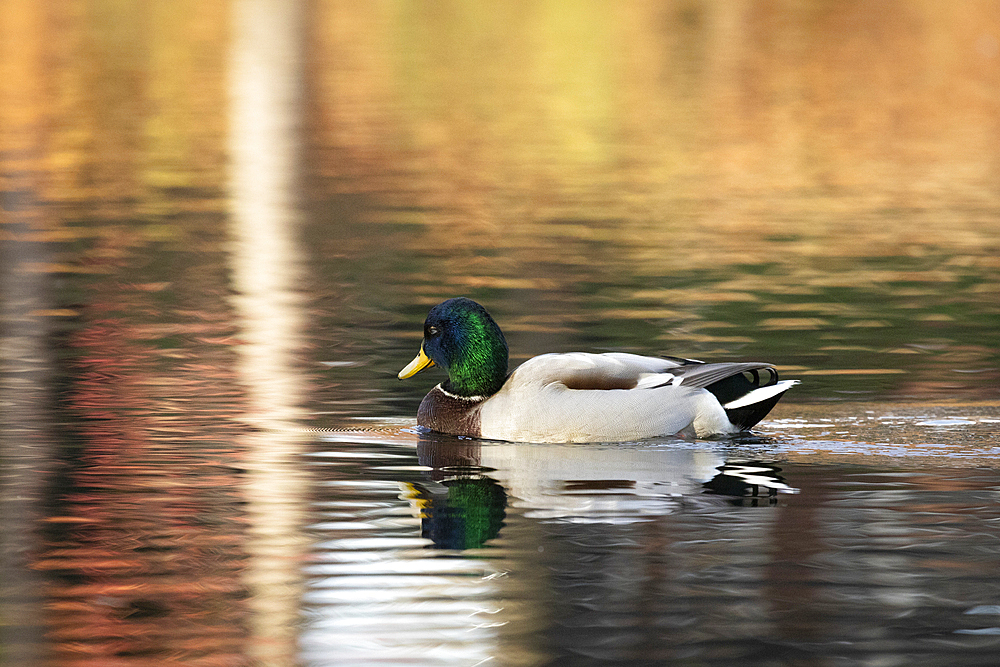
[810, 183]
[225, 220]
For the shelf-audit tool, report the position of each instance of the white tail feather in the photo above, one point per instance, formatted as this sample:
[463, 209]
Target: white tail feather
[761, 394]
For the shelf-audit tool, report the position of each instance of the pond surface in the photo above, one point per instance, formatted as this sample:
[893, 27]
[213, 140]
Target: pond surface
[655, 553]
[222, 226]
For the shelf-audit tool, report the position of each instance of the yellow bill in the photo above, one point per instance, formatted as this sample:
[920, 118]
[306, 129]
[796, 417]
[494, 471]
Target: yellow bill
[419, 363]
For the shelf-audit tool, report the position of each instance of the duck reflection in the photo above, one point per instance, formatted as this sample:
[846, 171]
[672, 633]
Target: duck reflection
[465, 495]
[749, 483]
[463, 511]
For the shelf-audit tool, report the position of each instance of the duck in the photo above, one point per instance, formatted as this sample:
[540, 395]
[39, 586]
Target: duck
[578, 396]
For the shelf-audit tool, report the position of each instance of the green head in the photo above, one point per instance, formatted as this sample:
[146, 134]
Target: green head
[462, 338]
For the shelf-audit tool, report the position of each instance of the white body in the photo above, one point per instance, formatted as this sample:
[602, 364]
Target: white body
[536, 404]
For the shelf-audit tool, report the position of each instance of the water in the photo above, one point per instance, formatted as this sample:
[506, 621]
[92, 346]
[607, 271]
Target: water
[655, 553]
[223, 224]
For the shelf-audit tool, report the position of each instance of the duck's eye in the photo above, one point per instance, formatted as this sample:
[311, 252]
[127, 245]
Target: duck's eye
[432, 331]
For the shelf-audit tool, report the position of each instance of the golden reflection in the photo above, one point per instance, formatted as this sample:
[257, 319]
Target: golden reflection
[143, 550]
[23, 91]
[266, 261]
[28, 422]
[709, 131]
[844, 153]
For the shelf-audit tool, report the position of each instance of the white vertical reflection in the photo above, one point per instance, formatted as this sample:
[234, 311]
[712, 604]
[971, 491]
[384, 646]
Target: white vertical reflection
[264, 107]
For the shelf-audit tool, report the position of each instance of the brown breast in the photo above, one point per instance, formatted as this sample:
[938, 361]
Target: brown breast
[445, 413]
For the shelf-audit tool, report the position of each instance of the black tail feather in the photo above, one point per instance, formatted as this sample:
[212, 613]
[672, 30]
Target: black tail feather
[739, 385]
[748, 416]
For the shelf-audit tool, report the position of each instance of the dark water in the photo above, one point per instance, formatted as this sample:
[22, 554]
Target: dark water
[655, 553]
[223, 223]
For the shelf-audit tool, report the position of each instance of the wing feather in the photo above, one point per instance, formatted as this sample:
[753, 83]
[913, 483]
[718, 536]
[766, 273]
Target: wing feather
[703, 375]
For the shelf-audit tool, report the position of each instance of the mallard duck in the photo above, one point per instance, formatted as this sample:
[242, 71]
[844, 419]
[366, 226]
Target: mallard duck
[578, 396]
